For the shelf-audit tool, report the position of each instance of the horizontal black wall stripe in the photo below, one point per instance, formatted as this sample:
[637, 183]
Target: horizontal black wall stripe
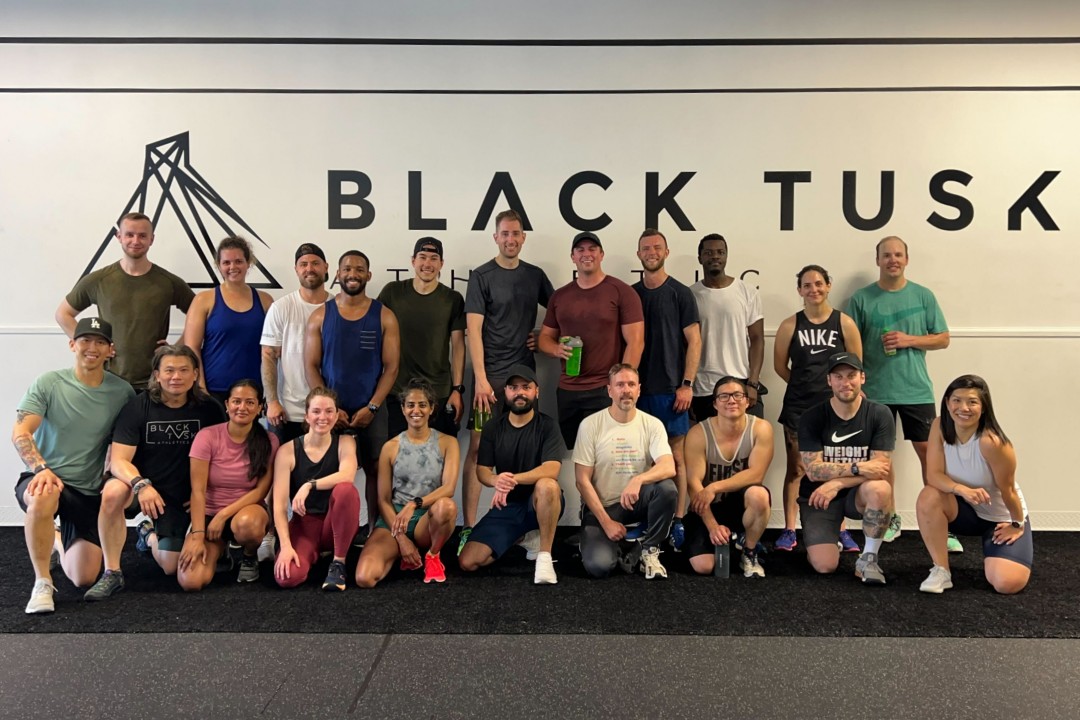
[628, 91]
[551, 42]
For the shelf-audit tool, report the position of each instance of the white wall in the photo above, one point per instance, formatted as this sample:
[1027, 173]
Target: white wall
[72, 158]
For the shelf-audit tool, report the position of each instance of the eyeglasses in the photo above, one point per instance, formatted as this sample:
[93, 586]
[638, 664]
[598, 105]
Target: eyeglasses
[736, 396]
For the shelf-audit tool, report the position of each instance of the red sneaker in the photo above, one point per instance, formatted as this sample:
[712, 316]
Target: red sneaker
[434, 570]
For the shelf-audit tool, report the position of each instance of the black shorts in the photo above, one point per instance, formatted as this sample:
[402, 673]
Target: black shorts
[575, 406]
[702, 408]
[369, 440]
[287, 431]
[227, 536]
[171, 525]
[500, 528]
[916, 420]
[822, 527]
[728, 512]
[497, 408]
[78, 512]
[440, 419]
[967, 522]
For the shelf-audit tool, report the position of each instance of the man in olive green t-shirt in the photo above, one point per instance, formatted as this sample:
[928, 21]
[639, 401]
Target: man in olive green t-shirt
[135, 296]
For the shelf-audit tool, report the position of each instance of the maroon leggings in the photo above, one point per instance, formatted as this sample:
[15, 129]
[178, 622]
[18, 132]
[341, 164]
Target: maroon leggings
[311, 534]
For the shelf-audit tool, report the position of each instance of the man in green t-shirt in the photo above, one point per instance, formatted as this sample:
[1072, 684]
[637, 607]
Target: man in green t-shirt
[134, 296]
[62, 431]
[899, 321]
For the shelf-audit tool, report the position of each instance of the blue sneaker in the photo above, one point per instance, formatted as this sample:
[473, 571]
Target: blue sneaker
[786, 542]
[634, 531]
[678, 534]
[847, 543]
[142, 534]
[759, 549]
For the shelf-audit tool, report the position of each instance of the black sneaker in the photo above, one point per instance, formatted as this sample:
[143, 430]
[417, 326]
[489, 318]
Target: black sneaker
[142, 534]
[110, 582]
[361, 536]
[335, 577]
[249, 569]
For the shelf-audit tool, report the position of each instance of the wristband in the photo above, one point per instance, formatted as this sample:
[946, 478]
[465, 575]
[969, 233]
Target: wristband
[40, 467]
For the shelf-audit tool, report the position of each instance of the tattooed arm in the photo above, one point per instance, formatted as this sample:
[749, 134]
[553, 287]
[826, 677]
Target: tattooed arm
[834, 477]
[22, 436]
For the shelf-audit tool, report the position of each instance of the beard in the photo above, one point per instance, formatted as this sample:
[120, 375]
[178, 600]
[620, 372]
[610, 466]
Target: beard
[352, 291]
[522, 408]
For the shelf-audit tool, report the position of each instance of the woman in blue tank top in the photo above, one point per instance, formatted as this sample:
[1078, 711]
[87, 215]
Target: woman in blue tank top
[971, 489]
[418, 472]
[801, 352]
[224, 325]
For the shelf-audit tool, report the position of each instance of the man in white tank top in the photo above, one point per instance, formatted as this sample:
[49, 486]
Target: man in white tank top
[727, 457]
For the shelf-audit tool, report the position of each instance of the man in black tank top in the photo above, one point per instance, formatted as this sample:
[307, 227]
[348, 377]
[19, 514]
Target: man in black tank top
[727, 457]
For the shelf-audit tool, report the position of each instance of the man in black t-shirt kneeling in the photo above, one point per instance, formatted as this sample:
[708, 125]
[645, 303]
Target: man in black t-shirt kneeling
[526, 448]
[149, 466]
[846, 444]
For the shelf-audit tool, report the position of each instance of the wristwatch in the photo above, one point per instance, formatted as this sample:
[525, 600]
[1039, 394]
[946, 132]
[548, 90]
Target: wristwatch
[460, 389]
[418, 502]
[39, 467]
[753, 384]
[855, 469]
[687, 383]
[1016, 525]
[373, 407]
[312, 484]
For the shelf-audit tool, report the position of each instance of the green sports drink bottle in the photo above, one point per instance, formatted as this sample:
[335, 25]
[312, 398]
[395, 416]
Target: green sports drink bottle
[573, 363]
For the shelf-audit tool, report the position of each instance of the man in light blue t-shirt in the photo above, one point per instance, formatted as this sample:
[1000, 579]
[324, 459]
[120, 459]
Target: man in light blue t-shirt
[62, 431]
[899, 321]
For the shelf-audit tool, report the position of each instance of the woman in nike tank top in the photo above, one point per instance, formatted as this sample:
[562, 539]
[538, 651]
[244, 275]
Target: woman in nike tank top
[418, 472]
[224, 325]
[314, 476]
[971, 489]
[803, 345]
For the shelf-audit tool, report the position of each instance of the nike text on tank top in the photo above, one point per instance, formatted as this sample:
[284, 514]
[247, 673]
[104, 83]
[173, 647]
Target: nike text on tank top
[231, 348]
[809, 351]
[965, 464]
[417, 468]
[304, 470]
[352, 355]
[719, 467]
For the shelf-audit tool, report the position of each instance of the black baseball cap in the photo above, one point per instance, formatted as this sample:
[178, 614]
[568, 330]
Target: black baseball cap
[309, 249]
[845, 358]
[428, 244]
[583, 236]
[522, 371]
[93, 326]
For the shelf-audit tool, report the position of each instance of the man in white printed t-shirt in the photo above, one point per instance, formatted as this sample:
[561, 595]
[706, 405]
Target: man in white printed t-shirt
[732, 330]
[624, 469]
[284, 382]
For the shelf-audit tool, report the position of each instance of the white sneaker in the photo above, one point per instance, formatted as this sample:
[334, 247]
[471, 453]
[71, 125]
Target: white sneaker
[266, 547]
[938, 581]
[544, 574]
[650, 563]
[531, 542]
[41, 598]
[751, 566]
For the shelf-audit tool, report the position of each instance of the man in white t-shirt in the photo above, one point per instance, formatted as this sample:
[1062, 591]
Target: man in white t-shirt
[624, 469]
[732, 330]
[284, 383]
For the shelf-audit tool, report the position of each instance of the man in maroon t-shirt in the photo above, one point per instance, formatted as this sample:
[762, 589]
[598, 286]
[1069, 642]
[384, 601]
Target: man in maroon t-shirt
[606, 314]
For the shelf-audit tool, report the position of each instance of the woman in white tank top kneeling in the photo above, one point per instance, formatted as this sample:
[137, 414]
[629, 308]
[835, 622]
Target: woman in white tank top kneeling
[971, 489]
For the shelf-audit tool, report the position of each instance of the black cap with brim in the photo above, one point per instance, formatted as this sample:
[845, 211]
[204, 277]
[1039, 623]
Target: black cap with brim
[583, 236]
[521, 371]
[93, 326]
[845, 358]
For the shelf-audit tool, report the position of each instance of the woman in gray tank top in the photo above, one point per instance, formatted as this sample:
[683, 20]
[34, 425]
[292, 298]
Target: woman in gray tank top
[418, 472]
[972, 490]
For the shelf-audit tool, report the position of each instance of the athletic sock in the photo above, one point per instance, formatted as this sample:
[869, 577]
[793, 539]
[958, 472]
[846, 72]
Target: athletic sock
[872, 545]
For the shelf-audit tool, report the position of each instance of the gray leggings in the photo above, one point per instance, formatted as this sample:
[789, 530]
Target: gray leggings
[655, 507]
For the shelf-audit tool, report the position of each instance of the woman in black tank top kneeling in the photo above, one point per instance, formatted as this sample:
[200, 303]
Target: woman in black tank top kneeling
[313, 476]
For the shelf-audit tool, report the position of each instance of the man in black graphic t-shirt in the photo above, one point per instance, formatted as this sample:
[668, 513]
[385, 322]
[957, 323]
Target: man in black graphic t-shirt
[149, 465]
[846, 444]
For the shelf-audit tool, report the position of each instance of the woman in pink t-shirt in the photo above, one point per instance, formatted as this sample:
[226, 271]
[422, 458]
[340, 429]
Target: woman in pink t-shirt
[230, 475]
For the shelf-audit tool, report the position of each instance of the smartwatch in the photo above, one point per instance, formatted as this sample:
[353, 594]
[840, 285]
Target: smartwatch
[855, 469]
[753, 384]
[312, 484]
[373, 407]
[1016, 525]
[418, 502]
[459, 389]
[40, 467]
[687, 383]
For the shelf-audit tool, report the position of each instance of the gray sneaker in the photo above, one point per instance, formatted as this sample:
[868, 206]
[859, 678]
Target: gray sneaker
[110, 583]
[41, 598]
[868, 569]
[249, 570]
[937, 582]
